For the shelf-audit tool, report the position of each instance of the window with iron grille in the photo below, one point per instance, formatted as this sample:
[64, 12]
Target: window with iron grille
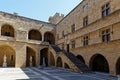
[73, 44]
[106, 10]
[85, 21]
[73, 28]
[106, 35]
[85, 40]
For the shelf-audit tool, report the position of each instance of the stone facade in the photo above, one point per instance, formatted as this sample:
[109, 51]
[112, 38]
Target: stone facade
[16, 39]
[90, 31]
[96, 24]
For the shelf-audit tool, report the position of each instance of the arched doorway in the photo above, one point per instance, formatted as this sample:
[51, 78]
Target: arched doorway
[52, 59]
[10, 55]
[7, 30]
[49, 37]
[34, 35]
[80, 58]
[59, 62]
[118, 66]
[66, 66]
[44, 57]
[30, 57]
[99, 63]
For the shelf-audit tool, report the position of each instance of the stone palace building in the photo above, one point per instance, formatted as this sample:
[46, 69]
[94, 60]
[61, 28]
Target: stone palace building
[85, 40]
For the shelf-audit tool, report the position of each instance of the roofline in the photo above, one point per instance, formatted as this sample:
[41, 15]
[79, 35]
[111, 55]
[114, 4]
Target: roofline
[70, 12]
[26, 18]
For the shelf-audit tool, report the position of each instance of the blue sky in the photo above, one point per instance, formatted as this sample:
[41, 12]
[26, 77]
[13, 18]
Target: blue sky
[38, 9]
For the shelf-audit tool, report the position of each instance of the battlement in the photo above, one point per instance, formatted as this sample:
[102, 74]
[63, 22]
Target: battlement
[56, 18]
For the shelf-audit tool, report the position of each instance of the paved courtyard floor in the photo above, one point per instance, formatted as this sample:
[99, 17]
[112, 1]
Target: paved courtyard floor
[50, 74]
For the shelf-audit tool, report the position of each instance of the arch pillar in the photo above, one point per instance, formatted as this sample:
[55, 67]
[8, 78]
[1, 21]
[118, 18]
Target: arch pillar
[20, 49]
[42, 37]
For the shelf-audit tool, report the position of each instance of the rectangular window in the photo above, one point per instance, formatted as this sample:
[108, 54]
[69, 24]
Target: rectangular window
[73, 28]
[85, 8]
[106, 10]
[73, 44]
[85, 40]
[106, 35]
[85, 21]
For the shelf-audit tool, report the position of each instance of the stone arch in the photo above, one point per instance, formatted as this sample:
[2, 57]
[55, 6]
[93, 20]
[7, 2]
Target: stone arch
[59, 62]
[10, 55]
[30, 57]
[66, 66]
[52, 59]
[34, 35]
[80, 58]
[49, 37]
[99, 63]
[44, 57]
[7, 30]
[118, 66]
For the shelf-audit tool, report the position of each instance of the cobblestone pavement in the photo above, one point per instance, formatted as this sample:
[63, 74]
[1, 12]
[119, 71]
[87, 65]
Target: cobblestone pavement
[50, 74]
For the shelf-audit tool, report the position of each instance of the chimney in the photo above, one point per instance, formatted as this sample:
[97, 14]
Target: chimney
[16, 14]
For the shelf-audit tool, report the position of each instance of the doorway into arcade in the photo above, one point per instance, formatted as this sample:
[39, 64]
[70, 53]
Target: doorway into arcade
[44, 57]
[7, 56]
[99, 63]
[30, 57]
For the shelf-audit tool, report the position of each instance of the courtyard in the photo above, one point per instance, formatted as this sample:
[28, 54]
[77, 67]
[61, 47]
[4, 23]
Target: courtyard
[50, 73]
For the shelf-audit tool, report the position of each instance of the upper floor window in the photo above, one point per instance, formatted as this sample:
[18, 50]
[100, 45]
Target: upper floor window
[85, 40]
[85, 21]
[73, 28]
[106, 10]
[106, 35]
[34, 35]
[85, 8]
[7, 30]
[73, 44]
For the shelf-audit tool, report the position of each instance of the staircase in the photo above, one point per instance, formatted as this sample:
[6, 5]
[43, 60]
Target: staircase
[56, 48]
[84, 68]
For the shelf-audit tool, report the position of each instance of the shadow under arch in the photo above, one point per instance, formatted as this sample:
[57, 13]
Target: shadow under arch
[118, 66]
[49, 37]
[59, 62]
[30, 57]
[99, 63]
[81, 58]
[34, 35]
[7, 30]
[66, 66]
[44, 57]
[10, 55]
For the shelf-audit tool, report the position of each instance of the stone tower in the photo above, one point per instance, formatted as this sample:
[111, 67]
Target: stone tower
[56, 18]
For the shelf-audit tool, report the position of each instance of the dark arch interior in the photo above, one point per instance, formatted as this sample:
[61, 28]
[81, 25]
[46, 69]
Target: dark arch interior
[118, 66]
[59, 62]
[80, 58]
[7, 30]
[9, 53]
[66, 66]
[49, 37]
[99, 63]
[44, 57]
[35, 35]
[31, 57]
